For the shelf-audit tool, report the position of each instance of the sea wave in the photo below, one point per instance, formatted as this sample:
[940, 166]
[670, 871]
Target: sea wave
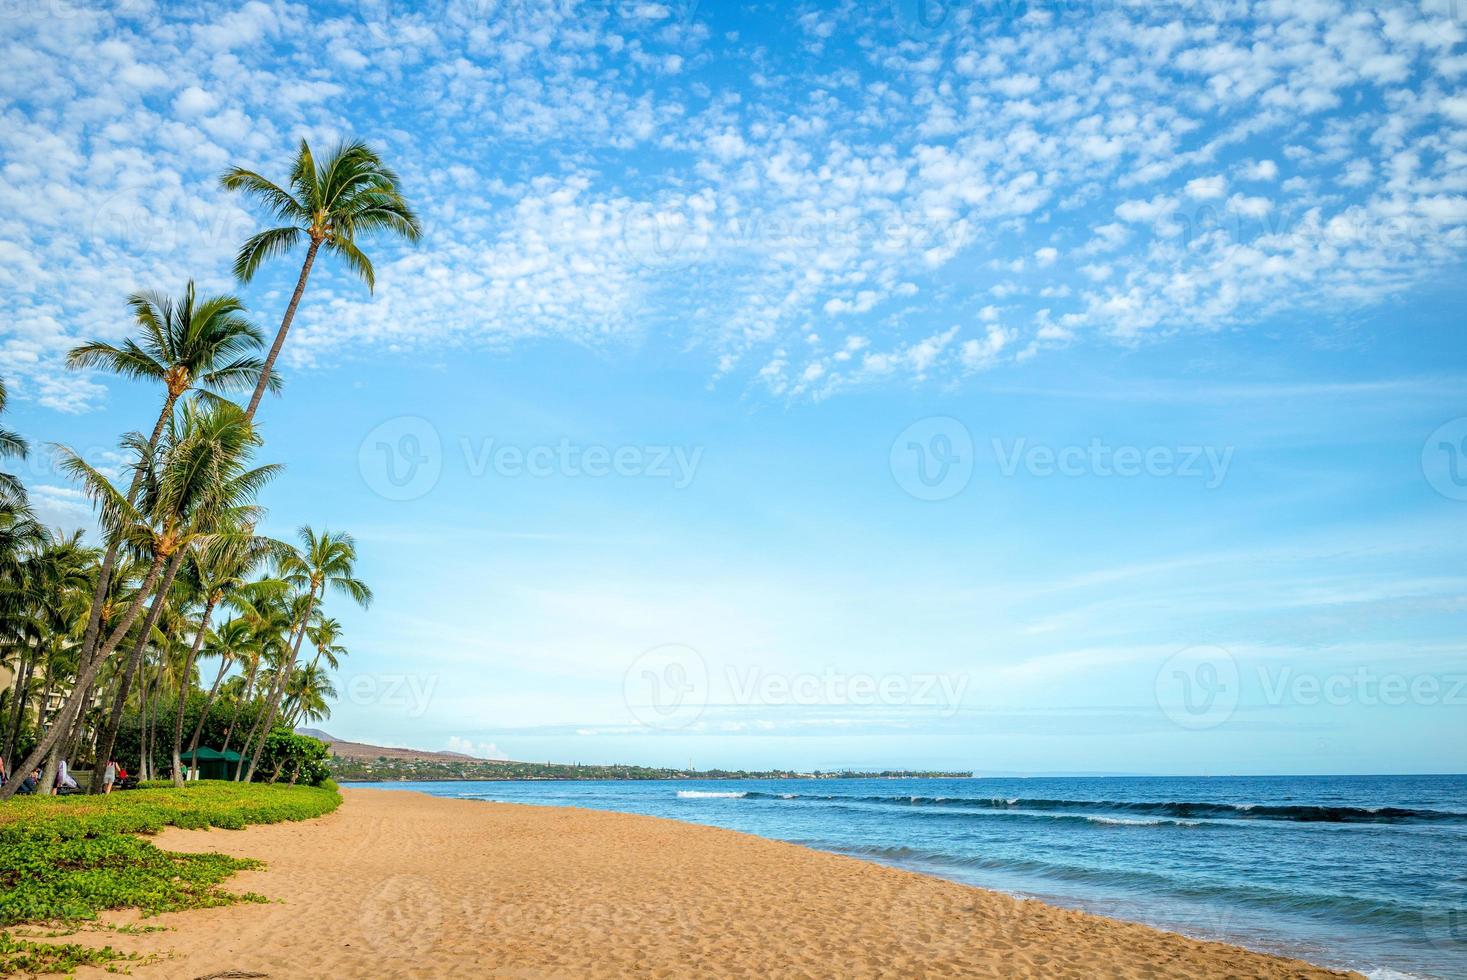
[1364, 910]
[698, 794]
[1182, 809]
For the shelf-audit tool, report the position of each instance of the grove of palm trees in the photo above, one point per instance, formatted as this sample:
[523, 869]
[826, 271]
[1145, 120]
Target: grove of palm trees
[179, 624]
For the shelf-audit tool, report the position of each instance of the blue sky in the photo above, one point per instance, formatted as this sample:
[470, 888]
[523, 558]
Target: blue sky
[1040, 388]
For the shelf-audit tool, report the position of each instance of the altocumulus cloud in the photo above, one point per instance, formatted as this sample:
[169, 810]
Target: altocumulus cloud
[810, 199]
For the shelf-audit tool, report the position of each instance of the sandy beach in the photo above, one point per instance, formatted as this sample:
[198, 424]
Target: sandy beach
[398, 884]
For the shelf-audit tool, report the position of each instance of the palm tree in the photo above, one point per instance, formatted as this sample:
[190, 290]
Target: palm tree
[351, 193]
[197, 479]
[38, 603]
[306, 695]
[324, 562]
[231, 643]
[218, 569]
[324, 633]
[189, 344]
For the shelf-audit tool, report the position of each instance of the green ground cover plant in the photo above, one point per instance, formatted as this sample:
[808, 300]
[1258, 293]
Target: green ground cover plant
[65, 859]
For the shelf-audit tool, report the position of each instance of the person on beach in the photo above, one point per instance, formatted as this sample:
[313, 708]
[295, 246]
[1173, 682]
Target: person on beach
[64, 779]
[109, 776]
[29, 784]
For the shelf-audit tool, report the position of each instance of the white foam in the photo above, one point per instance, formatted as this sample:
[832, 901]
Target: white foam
[1122, 822]
[698, 794]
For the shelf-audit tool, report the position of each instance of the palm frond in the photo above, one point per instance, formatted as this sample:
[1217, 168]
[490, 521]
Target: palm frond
[275, 198]
[358, 262]
[264, 246]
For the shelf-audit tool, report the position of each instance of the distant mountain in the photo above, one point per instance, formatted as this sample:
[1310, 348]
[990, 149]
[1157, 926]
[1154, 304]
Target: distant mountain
[361, 750]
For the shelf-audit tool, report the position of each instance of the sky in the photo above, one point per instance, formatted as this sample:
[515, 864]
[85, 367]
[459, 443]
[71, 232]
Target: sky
[1000, 387]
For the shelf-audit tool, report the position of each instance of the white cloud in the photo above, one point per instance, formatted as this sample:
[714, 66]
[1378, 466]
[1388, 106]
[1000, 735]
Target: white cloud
[479, 750]
[1206, 188]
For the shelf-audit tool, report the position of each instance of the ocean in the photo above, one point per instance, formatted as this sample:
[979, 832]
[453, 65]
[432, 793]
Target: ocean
[1361, 872]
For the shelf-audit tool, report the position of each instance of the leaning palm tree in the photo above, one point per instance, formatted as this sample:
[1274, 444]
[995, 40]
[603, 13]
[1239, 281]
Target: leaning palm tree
[190, 344]
[199, 478]
[324, 562]
[349, 194]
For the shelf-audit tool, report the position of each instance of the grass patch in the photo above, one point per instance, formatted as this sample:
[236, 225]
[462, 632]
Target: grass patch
[20, 956]
[65, 859]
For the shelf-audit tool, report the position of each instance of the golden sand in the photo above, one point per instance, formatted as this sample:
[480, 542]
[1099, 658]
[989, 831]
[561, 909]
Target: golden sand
[398, 884]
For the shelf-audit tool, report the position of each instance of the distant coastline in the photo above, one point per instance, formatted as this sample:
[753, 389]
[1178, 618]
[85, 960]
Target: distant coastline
[385, 770]
[360, 762]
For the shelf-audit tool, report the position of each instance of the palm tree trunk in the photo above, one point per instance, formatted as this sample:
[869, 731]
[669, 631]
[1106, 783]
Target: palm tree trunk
[280, 683]
[184, 683]
[84, 680]
[295, 299]
[22, 695]
[193, 743]
[109, 734]
[234, 718]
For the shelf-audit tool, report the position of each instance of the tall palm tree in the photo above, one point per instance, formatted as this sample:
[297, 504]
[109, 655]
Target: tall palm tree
[188, 344]
[323, 562]
[349, 194]
[199, 477]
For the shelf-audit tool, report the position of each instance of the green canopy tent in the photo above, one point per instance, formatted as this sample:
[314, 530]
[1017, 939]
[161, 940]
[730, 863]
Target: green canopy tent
[211, 763]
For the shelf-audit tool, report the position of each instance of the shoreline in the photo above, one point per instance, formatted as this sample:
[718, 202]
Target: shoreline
[402, 884]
